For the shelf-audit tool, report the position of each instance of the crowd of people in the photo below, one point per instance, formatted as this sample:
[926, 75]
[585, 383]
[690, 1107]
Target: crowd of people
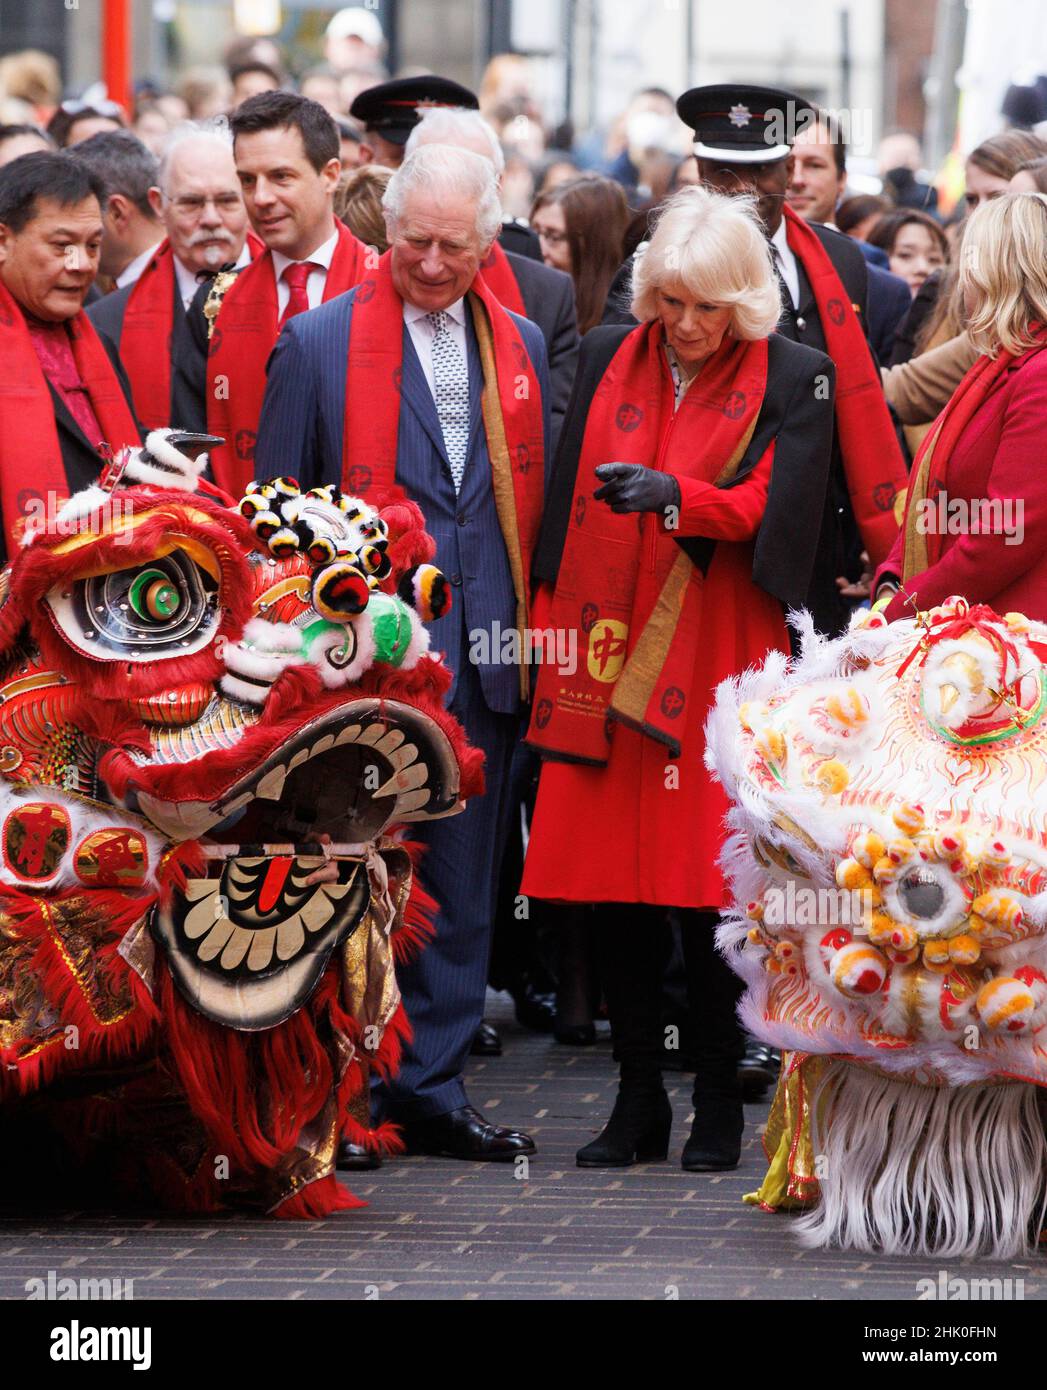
[649, 398]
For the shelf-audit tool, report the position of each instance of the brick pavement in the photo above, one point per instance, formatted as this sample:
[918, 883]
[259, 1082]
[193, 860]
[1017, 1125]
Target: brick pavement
[443, 1229]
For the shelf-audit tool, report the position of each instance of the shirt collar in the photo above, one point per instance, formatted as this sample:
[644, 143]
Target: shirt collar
[454, 311]
[130, 273]
[323, 255]
[780, 241]
[188, 283]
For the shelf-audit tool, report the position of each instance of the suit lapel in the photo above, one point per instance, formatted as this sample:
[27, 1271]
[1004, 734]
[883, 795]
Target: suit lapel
[415, 392]
[476, 384]
[82, 464]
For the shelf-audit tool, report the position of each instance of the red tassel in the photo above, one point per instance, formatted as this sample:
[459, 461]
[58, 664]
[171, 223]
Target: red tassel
[316, 1201]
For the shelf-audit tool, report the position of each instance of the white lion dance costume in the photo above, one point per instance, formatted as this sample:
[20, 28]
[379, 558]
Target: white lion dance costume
[888, 864]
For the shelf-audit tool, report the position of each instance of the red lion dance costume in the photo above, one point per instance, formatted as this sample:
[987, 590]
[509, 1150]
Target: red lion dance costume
[210, 720]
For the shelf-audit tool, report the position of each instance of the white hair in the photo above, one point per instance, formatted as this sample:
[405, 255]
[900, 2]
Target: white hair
[455, 125]
[453, 176]
[714, 246]
[217, 131]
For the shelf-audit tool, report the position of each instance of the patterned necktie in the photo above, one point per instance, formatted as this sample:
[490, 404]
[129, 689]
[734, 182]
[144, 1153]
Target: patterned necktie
[296, 277]
[788, 306]
[451, 382]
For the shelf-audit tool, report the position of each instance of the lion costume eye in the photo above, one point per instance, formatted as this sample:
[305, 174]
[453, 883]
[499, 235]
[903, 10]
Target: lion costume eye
[922, 893]
[153, 596]
[164, 608]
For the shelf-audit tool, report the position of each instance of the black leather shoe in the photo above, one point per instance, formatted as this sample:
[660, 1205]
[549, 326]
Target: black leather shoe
[535, 1011]
[758, 1069]
[486, 1041]
[354, 1158]
[464, 1133]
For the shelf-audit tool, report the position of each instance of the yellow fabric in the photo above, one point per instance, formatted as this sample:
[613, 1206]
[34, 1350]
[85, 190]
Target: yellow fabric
[791, 1180]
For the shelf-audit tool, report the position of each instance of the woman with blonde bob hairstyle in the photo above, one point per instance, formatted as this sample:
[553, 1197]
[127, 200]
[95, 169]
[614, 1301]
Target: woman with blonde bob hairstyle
[976, 509]
[681, 521]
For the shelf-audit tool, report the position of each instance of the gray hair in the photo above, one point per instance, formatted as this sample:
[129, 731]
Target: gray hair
[454, 176]
[216, 131]
[123, 164]
[713, 245]
[456, 125]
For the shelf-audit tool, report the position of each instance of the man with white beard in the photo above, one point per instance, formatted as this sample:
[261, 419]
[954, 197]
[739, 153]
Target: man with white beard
[198, 201]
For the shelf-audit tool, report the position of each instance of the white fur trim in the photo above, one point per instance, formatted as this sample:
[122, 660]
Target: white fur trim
[923, 1170]
[243, 691]
[264, 636]
[184, 474]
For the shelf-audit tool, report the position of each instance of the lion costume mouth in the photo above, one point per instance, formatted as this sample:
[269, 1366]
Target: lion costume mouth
[247, 945]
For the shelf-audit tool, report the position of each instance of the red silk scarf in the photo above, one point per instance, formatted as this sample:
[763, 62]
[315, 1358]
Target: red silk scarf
[244, 334]
[500, 280]
[872, 457]
[627, 591]
[512, 414]
[923, 546]
[32, 474]
[148, 323]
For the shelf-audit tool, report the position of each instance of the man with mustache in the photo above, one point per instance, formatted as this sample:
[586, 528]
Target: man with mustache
[196, 197]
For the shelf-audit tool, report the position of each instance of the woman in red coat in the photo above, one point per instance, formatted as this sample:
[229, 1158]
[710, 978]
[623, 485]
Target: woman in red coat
[682, 517]
[976, 510]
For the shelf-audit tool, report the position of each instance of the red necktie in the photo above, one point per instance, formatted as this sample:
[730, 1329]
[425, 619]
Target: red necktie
[295, 277]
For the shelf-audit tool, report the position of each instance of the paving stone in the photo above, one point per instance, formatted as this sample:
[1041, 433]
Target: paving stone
[440, 1229]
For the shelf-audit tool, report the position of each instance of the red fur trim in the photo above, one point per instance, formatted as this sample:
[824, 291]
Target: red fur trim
[319, 1199]
[296, 699]
[224, 1074]
[409, 542]
[384, 1139]
[419, 925]
[97, 1042]
[37, 569]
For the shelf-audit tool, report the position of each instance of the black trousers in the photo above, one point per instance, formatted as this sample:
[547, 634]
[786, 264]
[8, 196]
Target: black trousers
[634, 941]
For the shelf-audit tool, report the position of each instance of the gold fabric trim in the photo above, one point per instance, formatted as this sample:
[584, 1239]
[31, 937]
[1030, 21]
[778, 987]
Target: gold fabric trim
[791, 1179]
[501, 474]
[635, 685]
[213, 303]
[914, 554]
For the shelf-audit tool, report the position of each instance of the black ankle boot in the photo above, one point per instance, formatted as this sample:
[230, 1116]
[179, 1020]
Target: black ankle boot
[634, 946]
[715, 1144]
[637, 1132]
[713, 991]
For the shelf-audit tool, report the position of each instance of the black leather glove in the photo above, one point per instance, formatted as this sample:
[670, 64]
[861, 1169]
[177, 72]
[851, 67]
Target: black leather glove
[630, 487]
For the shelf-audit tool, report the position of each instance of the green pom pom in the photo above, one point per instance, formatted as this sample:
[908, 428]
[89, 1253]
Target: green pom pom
[391, 624]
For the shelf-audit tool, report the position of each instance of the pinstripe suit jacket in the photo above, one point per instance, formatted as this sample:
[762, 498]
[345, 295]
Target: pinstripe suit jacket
[300, 434]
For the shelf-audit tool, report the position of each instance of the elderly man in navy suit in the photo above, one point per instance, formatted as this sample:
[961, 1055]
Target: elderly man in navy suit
[419, 378]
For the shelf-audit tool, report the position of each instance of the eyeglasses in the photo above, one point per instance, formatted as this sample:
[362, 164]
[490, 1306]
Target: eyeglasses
[193, 206]
[549, 234]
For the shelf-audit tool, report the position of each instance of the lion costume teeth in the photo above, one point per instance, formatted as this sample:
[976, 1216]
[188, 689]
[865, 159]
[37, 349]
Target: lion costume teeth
[209, 734]
[889, 861]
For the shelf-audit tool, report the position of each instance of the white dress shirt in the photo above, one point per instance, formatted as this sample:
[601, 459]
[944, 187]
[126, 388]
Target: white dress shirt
[188, 284]
[131, 272]
[786, 262]
[422, 334]
[314, 286]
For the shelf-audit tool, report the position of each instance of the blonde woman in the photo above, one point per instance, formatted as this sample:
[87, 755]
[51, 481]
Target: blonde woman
[358, 203]
[976, 512]
[682, 519]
